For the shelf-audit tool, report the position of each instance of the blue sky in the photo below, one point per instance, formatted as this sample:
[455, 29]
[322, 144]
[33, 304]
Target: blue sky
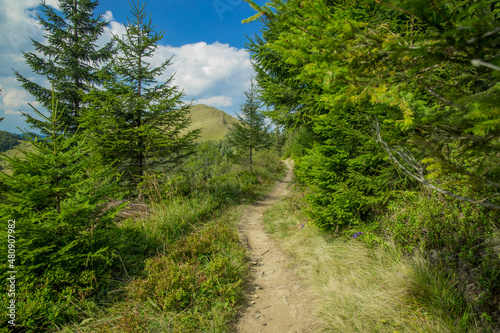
[205, 37]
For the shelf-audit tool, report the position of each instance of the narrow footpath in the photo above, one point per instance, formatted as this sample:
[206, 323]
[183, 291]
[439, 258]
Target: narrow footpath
[278, 301]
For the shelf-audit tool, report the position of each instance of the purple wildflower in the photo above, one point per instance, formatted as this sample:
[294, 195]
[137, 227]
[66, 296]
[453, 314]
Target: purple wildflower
[357, 234]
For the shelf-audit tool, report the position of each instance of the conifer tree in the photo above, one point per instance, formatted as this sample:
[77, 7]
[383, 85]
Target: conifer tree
[70, 60]
[137, 122]
[251, 132]
[56, 192]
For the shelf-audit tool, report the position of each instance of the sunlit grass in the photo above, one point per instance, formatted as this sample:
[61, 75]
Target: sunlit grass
[183, 268]
[361, 287]
[15, 152]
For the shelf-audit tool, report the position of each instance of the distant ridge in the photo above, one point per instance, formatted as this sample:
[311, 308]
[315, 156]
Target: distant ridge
[208, 118]
[211, 122]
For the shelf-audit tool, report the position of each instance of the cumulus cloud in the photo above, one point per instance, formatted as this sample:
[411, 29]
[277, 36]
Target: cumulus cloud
[203, 69]
[216, 101]
[18, 22]
[15, 97]
[107, 16]
[12, 112]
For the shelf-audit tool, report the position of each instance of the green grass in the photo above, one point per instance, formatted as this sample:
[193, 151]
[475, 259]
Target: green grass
[182, 268]
[15, 152]
[194, 287]
[366, 284]
[211, 121]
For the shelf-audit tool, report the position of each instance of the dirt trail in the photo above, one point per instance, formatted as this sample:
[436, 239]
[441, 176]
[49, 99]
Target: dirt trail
[279, 302]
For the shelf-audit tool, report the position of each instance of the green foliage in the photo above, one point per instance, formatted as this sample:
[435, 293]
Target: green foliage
[391, 95]
[297, 141]
[196, 268]
[136, 123]
[55, 193]
[182, 266]
[194, 287]
[70, 60]
[350, 62]
[349, 180]
[8, 141]
[251, 133]
[456, 236]
[434, 290]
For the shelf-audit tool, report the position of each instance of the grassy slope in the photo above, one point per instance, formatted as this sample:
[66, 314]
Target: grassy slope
[194, 279]
[211, 120]
[15, 152]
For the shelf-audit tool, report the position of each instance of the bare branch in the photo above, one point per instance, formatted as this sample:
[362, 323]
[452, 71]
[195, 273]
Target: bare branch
[435, 94]
[479, 62]
[407, 157]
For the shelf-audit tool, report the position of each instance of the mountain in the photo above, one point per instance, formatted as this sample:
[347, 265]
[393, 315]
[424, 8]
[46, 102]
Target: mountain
[8, 140]
[209, 119]
[211, 122]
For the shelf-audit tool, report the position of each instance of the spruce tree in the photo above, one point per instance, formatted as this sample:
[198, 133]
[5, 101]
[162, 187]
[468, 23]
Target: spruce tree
[56, 194]
[70, 60]
[251, 132]
[137, 122]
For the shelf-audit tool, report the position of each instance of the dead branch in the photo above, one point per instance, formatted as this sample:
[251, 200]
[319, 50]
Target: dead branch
[419, 171]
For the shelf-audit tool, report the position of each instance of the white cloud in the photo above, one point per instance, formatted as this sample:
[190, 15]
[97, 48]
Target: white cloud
[12, 112]
[107, 16]
[114, 28]
[216, 101]
[15, 97]
[18, 22]
[207, 69]
[117, 28]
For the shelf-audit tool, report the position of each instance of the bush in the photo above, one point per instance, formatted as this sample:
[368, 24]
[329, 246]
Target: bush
[204, 271]
[456, 238]
[57, 198]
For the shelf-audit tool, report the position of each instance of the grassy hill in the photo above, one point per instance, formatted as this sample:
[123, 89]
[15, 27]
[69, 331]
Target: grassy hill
[211, 121]
[15, 152]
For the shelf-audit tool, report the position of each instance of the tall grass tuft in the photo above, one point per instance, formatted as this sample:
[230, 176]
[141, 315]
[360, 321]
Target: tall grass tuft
[181, 267]
[365, 284]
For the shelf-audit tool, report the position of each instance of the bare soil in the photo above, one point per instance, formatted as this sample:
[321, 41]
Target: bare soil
[279, 301]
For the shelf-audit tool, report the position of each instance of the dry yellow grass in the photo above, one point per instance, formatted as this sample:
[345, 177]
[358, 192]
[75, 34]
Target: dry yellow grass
[361, 289]
[211, 121]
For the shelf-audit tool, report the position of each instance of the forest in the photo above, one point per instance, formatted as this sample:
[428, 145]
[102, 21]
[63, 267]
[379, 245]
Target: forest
[392, 115]
[8, 140]
[119, 221]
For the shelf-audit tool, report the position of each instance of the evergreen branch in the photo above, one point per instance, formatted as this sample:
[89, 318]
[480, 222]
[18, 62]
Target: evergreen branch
[409, 159]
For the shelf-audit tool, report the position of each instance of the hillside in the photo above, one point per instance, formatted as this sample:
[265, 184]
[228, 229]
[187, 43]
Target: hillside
[8, 140]
[14, 152]
[211, 121]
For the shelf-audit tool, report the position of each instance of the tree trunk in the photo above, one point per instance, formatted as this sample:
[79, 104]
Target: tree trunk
[251, 159]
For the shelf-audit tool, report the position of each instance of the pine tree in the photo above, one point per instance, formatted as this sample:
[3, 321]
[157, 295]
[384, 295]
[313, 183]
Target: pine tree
[251, 132]
[402, 76]
[137, 122]
[70, 61]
